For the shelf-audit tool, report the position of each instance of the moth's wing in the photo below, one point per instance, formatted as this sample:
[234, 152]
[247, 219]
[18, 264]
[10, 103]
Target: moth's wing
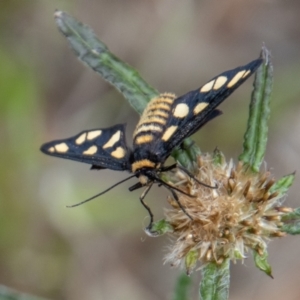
[103, 148]
[191, 111]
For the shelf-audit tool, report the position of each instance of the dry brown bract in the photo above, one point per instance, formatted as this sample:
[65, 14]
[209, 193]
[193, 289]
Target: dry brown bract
[239, 215]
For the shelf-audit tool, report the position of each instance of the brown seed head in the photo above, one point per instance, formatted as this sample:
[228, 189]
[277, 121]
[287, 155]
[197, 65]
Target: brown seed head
[241, 214]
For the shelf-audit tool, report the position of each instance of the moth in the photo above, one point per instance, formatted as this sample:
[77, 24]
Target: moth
[165, 123]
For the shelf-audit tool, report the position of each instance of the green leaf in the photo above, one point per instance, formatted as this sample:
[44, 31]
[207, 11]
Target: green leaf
[292, 229]
[187, 153]
[215, 281]
[294, 215]
[291, 222]
[218, 157]
[181, 289]
[96, 55]
[182, 157]
[262, 263]
[191, 149]
[191, 260]
[255, 138]
[283, 184]
[159, 228]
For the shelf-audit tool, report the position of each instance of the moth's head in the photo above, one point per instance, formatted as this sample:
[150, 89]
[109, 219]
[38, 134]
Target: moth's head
[144, 179]
[145, 171]
[147, 175]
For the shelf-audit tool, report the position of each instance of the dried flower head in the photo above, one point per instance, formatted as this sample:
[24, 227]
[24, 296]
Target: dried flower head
[242, 213]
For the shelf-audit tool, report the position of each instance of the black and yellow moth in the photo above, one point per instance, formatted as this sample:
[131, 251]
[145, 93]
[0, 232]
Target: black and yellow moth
[165, 123]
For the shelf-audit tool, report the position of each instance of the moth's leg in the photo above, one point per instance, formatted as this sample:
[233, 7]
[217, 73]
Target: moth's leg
[168, 168]
[142, 197]
[179, 203]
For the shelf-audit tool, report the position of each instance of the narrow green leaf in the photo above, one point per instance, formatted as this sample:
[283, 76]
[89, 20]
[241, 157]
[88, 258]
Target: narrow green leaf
[294, 215]
[191, 149]
[182, 286]
[255, 138]
[283, 184]
[191, 260]
[159, 228]
[262, 263]
[182, 157]
[291, 222]
[215, 281]
[96, 55]
[187, 154]
[293, 228]
[218, 157]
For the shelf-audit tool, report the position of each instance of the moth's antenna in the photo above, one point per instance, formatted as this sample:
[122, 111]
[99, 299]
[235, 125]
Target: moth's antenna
[171, 186]
[193, 177]
[105, 191]
[164, 169]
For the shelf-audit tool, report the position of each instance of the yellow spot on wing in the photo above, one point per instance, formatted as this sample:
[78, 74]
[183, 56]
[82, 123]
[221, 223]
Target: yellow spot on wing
[235, 79]
[80, 139]
[51, 149]
[90, 151]
[169, 132]
[147, 138]
[61, 148]
[144, 163]
[93, 134]
[181, 110]
[115, 138]
[119, 153]
[207, 87]
[220, 81]
[246, 73]
[199, 107]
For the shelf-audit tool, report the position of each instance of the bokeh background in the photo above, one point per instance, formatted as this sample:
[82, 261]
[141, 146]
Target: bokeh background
[99, 250]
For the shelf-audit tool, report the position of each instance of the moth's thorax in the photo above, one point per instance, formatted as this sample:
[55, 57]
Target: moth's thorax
[153, 119]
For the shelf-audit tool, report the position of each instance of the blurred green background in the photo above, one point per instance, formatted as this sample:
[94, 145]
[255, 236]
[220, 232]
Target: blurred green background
[99, 250]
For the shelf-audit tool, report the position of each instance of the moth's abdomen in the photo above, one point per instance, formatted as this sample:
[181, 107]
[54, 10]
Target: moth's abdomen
[153, 119]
